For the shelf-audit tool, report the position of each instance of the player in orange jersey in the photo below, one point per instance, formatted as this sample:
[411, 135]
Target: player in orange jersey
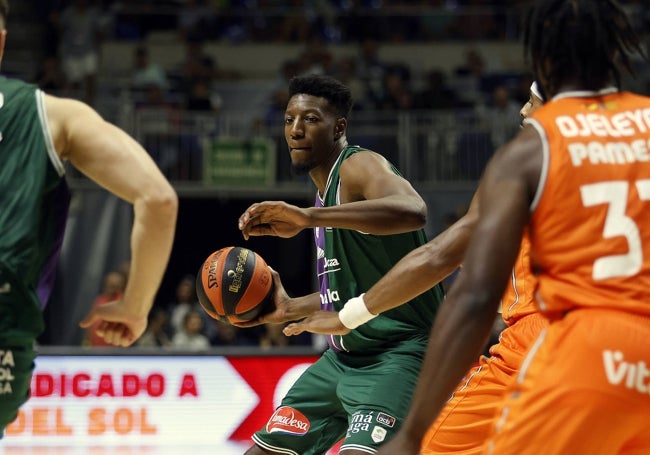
[466, 420]
[579, 181]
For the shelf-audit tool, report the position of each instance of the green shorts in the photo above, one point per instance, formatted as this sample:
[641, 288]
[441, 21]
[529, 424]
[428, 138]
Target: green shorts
[16, 368]
[362, 399]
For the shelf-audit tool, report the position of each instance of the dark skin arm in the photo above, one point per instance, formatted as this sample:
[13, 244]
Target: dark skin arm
[425, 266]
[466, 317]
[373, 200]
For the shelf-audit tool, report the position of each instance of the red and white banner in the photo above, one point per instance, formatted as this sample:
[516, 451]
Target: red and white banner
[151, 400]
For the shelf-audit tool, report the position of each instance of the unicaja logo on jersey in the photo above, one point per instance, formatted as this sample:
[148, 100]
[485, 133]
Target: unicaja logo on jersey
[328, 264]
[288, 420]
[329, 297]
[634, 376]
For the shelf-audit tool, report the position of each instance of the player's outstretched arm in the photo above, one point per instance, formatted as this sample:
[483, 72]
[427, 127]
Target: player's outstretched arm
[425, 267]
[115, 161]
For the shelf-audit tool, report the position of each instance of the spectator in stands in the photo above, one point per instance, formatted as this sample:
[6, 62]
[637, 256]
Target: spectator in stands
[186, 301]
[225, 334]
[202, 98]
[125, 269]
[437, 24]
[371, 70]
[272, 336]
[315, 58]
[476, 22]
[113, 287]
[196, 20]
[50, 76]
[397, 92]
[157, 333]
[154, 96]
[145, 72]
[294, 25]
[359, 21]
[80, 26]
[48, 12]
[501, 116]
[436, 94]
[196, 65]
[191, 337]
[345, 70]
[468, 77]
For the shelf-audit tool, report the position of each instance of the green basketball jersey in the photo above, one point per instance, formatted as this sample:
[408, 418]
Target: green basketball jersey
[33, 209]
[349, 262]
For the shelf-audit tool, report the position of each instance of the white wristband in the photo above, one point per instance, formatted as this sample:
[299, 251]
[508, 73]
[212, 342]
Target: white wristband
[354, 313]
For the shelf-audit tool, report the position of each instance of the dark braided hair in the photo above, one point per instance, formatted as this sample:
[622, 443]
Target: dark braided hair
[335, 92]
[578, 41]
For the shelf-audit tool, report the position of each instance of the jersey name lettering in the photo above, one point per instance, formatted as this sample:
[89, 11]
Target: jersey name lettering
[623, 124]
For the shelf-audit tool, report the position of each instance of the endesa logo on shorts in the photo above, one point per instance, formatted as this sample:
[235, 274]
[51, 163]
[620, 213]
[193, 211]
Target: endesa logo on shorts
[288, 420]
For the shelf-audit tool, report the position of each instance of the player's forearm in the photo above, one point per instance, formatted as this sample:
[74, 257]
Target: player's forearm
[389, 215]
[151, 243]
[425, 267]
[302, 307]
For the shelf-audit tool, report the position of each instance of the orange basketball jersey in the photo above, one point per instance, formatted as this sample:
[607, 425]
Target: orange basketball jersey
[590, 225]
[518, 299]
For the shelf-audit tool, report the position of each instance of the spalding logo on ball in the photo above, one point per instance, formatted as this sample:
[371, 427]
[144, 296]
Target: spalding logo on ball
[234, 285]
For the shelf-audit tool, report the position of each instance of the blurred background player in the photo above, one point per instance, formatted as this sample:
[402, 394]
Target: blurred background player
[579, 181]
[466, 420]
[39, 133]
[365, 219]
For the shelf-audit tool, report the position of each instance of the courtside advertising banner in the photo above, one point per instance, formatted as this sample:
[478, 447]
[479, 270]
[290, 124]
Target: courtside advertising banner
[141, 400]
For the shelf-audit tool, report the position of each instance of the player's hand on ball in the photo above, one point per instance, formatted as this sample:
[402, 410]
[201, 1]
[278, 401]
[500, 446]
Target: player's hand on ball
[117, 325]
[281, 303]
[323, 322]
[273, 218]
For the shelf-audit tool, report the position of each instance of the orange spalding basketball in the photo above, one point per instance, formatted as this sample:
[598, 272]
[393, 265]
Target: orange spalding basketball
[234, 285]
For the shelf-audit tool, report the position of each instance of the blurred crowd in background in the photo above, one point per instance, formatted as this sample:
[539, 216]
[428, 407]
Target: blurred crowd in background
[73, 32]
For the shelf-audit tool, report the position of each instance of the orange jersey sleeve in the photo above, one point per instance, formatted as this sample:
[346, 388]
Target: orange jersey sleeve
[590, 225]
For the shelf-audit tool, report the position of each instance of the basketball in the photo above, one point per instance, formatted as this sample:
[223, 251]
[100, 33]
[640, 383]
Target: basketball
[234, 285]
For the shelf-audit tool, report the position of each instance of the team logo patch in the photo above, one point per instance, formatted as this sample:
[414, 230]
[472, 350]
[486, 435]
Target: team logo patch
[386, 419]
[378, 434]
[288, 420]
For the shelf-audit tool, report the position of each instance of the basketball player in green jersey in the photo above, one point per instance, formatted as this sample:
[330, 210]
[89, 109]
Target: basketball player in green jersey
[38, 133]
[366, 218]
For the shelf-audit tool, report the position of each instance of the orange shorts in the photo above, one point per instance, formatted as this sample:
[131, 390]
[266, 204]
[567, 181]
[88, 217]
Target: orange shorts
[466, 421]
[584, 388]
